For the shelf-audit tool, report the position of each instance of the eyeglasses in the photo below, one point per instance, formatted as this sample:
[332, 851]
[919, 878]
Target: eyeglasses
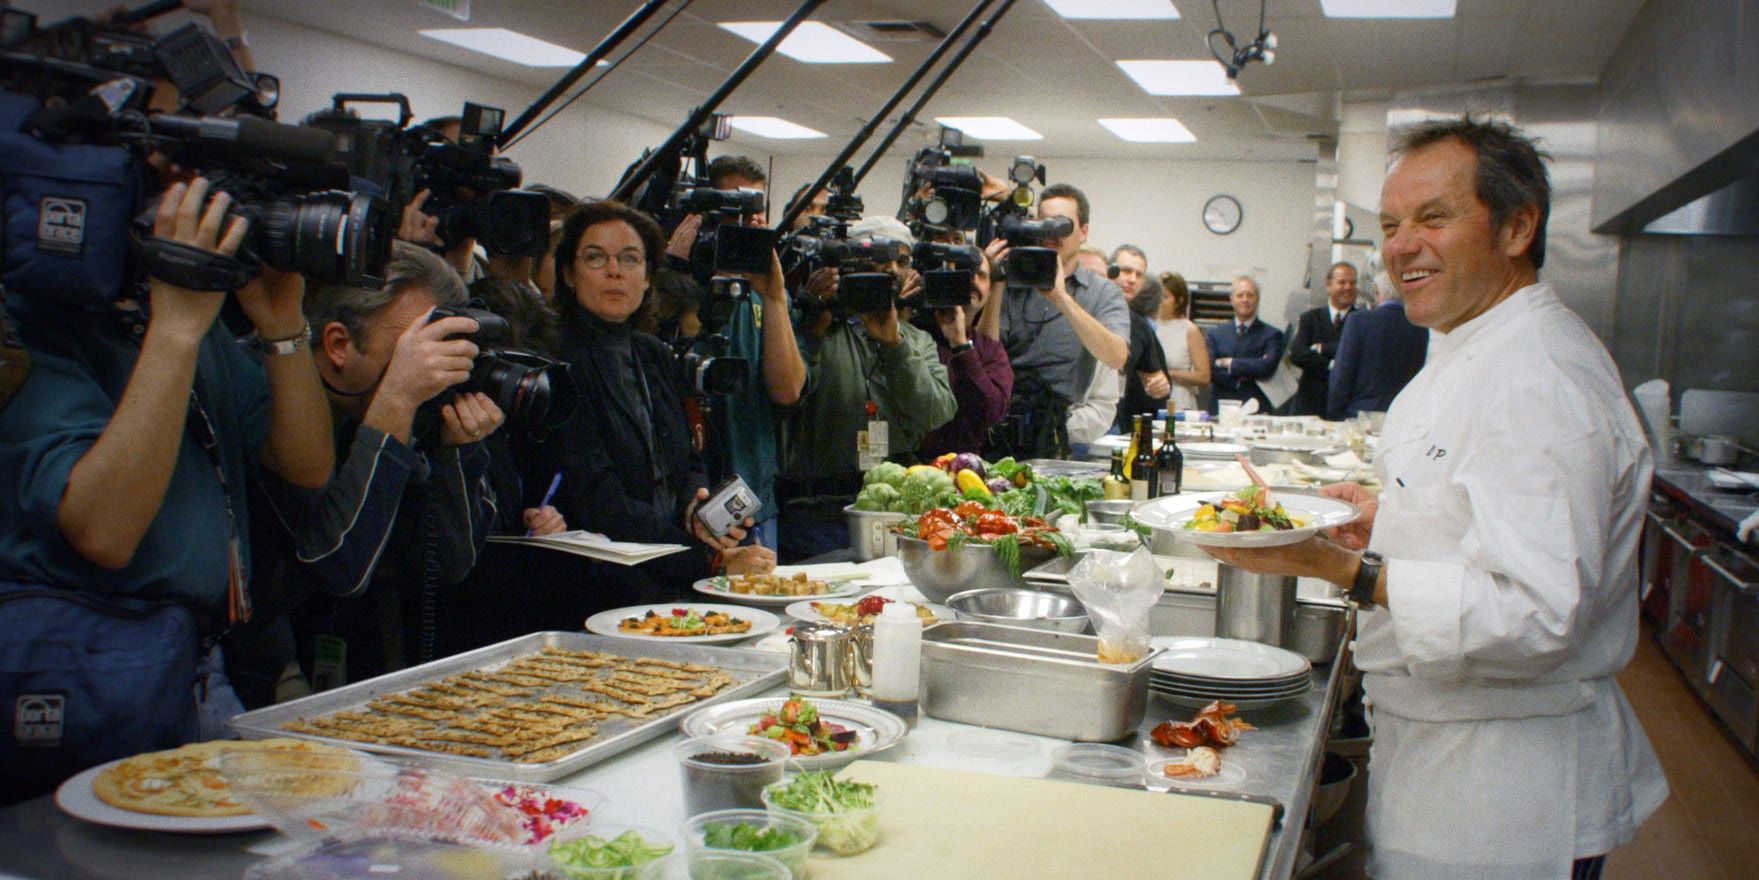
[627, 260]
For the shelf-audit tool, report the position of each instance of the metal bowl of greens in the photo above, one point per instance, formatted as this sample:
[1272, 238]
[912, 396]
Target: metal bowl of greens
[938, 574]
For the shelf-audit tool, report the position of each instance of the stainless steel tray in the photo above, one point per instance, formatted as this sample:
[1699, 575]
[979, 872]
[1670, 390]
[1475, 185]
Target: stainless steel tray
[1033, 681]
[753, 673]
[1056, 467]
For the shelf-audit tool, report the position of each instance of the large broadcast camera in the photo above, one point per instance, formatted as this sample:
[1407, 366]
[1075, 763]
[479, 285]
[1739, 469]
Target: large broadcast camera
[77, 128]
[535, 392]
[804, 251]
[946, 273]
[1031, 264]
[472, 191]
[863, 286]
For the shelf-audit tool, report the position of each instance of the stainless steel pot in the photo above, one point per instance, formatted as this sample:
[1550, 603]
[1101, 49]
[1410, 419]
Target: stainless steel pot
[870, 532]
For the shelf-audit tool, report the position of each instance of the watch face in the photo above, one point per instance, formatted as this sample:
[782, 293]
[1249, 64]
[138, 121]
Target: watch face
[1222, 214]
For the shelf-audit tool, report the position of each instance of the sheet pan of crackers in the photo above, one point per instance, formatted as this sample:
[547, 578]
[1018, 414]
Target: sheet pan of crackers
[532, 709]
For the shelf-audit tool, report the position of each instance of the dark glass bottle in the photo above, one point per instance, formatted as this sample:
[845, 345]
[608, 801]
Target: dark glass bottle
[1144, 483]
[1170, 464]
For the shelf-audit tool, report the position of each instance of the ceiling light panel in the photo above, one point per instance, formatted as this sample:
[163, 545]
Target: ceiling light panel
[1114, 9]
[508, 45]
[812, 42]
[1159, 130]
[1388, 8]
[990, 128]
[774, 128]
[1180, 77]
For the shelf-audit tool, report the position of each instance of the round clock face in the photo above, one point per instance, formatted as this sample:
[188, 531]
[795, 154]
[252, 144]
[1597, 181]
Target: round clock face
[1222, 214]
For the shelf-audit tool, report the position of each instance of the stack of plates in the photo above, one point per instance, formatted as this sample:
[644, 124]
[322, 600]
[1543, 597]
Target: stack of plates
[1197, 671]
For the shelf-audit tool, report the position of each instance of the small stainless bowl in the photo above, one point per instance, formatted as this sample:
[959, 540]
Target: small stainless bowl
[1109, 512]
[1029, 608]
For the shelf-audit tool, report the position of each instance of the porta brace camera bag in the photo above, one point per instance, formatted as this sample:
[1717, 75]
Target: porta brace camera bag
[66, 210]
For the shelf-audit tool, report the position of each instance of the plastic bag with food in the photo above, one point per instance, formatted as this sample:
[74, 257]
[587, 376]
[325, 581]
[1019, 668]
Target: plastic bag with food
[1118, 590]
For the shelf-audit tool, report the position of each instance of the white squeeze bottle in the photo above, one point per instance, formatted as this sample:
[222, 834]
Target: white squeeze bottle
[897, 660]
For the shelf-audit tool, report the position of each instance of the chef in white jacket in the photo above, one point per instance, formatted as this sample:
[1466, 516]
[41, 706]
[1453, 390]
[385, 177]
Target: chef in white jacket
[1499, 590]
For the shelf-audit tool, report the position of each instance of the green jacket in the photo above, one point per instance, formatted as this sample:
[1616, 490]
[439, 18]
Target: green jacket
[906, 382]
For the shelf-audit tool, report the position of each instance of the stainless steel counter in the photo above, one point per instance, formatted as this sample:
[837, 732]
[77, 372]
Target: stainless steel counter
[1690, 485]
[1281, 759]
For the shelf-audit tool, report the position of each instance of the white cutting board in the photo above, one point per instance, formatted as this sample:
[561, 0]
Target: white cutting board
[1732, 413]
[953, 823]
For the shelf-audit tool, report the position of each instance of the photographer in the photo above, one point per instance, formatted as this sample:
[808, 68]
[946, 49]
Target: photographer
[349, 591]
[977, 369]
[129, 448]
[1057, 338]
[625, 459]
[868, 374]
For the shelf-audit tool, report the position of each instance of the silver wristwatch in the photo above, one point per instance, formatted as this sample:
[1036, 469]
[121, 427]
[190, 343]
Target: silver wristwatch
[296, 343]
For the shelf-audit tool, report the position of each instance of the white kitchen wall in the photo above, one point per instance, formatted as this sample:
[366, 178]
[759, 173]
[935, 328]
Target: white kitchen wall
[1157, 206]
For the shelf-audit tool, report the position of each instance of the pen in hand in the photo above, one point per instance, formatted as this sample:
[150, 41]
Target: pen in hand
[555, 483]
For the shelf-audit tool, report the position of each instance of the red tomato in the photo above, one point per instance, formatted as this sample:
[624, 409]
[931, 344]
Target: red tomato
[968, 509]
[938, 517]
[995, 522]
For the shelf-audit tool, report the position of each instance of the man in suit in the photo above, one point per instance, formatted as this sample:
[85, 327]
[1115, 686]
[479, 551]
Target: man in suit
[1316, 340]
[1244, 350]
[1379, 351]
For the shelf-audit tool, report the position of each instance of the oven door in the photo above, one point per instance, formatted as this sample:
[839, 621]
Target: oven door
[1686, 637]
[1733, 676]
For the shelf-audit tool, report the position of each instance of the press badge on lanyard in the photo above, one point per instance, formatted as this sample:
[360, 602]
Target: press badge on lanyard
[237, 588]
[873, 445]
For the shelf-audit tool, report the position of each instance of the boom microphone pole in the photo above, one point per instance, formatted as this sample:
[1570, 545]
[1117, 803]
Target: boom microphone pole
[617, 35]
[935, 86]
[953, 36]
[633, 181]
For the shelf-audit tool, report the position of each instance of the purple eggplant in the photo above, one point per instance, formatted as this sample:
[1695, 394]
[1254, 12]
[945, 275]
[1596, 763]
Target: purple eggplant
[968, 461]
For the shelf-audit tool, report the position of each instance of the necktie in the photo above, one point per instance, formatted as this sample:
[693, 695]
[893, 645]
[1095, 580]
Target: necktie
[1239, 330]
[1337, 322]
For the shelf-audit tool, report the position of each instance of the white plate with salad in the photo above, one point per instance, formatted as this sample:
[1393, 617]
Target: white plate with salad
[687, 622]
[822, 733]
[1242, 519]
[850, 611]
[785, 586]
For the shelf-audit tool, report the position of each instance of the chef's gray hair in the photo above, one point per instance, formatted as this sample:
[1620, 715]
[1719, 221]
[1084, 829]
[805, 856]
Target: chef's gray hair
[1511, 167]
[411, 266]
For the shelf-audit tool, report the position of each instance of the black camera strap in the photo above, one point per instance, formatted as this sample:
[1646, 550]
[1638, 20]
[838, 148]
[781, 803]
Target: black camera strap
[193, 268]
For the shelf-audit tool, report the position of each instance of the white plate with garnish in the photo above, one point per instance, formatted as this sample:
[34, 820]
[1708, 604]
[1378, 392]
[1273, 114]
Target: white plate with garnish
[1312, 513]
[608, 623]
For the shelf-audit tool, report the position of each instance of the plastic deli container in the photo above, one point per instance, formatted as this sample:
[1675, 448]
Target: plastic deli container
[728, 771]
[698, 830]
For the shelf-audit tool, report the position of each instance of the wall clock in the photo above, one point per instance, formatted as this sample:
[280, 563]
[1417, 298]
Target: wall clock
[1221, 214]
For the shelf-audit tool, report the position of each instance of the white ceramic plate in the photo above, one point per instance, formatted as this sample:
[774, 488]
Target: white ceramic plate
[1229, 696]
[1232, 660]
[76, 798]
[1190, 702]
[804, 610]
[717, 587]
[605, 623]
[1170, 514]
[1245, 689]
[1205, 449]
[876, 730]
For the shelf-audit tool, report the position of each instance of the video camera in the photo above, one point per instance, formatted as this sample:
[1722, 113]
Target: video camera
[863, 288]
[473, 192]
[1030, 264]
[535, 392]
[804, 251]
[946, 273]
[77, 130]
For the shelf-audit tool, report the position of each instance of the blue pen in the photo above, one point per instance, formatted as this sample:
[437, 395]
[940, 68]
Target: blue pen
[555, 483]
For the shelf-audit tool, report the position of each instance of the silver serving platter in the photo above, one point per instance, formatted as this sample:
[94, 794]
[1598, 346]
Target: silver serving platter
[753, 673]
[876, 729]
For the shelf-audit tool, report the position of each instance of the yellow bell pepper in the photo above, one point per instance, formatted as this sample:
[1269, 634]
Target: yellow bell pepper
[968, 480]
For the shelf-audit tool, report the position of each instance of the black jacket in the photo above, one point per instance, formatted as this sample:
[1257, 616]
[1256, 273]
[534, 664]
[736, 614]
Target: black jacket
[1314, 327]
[1146, 356]
[608, 473]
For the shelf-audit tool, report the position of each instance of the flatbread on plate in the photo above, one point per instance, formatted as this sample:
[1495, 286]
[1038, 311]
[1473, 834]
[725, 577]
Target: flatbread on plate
[185, 781]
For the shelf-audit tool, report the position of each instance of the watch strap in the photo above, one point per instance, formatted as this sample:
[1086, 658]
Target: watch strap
[1367, 577]
[294, 344]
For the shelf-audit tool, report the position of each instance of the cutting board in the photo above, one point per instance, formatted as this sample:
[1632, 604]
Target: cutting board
[953, 823]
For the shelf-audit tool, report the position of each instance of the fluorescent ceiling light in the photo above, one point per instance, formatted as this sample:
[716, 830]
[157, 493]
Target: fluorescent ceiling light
[774, 128]
[1180, 77]
[1161, 130]
[509, 45]
[1388, 8]
[1097, 9]
[990, 128]
[811, 42]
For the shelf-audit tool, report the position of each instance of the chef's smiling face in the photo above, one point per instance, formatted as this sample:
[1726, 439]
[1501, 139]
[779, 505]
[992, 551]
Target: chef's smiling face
[1439, 245]
[611, 291]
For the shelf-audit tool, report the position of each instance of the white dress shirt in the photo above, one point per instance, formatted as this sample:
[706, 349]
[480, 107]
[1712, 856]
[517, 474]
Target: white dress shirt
[1516, 479]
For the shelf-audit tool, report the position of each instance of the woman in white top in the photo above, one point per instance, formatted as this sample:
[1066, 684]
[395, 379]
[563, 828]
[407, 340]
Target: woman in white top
[1187, 356]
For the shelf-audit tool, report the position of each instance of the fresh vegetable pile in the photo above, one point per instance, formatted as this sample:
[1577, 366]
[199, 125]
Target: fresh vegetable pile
[740, 835]
[954, 477]
[627, 850]
[844, 811]
[1245, 511]
[797, 724]
[970, 522]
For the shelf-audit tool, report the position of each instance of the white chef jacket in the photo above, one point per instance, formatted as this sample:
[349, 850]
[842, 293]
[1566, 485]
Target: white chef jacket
[1516, 477]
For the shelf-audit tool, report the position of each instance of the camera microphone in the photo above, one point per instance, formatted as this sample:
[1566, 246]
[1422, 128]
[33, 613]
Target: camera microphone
[248, 135]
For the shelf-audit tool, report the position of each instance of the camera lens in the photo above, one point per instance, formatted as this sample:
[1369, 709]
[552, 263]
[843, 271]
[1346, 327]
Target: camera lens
[530, 390]
[331, 237]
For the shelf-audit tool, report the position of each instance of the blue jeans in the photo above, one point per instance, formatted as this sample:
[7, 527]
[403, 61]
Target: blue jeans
[221, 703]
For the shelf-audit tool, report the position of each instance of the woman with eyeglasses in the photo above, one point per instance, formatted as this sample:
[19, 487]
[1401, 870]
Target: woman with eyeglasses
[625, 460]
